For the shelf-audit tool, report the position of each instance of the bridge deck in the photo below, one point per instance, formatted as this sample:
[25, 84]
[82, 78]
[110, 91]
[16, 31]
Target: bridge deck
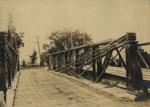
[39, 88]
[120, 71]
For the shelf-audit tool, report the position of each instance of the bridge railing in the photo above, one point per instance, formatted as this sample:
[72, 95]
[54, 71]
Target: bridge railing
[9, 61]
[98, 56]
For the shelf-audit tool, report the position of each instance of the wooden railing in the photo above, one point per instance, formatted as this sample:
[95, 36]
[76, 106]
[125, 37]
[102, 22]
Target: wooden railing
[9, 61]
[98, 56]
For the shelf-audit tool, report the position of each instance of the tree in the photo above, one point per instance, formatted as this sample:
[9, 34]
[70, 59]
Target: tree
[44, 59]
[18, 37]
[33, 57]
[61, 40]
[24, 63]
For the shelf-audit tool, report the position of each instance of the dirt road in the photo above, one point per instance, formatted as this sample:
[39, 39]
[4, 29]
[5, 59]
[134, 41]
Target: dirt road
[42, 88]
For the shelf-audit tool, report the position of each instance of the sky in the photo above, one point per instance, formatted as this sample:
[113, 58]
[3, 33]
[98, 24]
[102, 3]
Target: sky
[102, 19]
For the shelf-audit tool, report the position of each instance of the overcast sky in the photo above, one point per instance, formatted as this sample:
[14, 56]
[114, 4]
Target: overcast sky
[103, 19]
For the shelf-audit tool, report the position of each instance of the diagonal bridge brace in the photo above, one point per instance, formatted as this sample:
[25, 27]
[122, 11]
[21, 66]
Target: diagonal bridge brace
[93, 55]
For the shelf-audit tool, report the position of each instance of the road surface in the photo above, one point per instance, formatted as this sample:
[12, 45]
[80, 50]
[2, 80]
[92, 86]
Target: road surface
[39, 87]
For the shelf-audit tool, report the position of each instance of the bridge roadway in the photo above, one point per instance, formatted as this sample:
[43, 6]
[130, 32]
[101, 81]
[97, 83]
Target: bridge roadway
[38, 87]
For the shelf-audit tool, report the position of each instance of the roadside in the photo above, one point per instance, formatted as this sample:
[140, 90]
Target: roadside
[12, 91]
[45, 88]
[114, 90]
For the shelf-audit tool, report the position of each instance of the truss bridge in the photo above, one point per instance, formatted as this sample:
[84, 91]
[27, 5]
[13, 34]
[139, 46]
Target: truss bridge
[91, 61]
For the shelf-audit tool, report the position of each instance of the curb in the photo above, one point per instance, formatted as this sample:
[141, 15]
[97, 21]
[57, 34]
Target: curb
[2, 102]
[12, 92]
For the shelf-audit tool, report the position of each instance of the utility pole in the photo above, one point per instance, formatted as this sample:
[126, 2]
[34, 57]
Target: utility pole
[38, 47]
[83, 34]
[10, 19]
[71, 40]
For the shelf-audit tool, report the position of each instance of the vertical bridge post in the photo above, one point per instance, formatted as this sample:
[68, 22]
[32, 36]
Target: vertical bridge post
[54, 62]
[18, 64]
[58, 61]
[66, 61]
[99, 66]
[133, 69]
[77, 60]
[93, 61]
[50, 62]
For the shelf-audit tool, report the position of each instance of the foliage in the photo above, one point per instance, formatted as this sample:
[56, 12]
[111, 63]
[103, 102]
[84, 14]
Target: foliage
[19, 39]
[33, 57]
[23, 63]
[61, 40]
[16, 36]
[44, 58]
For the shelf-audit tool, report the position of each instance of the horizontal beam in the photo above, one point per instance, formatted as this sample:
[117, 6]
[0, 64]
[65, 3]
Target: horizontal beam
[98, 44]
[144, 44]
[83, 46]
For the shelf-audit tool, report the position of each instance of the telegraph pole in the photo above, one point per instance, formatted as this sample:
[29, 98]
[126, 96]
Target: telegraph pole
[39, 47]
[83, 33]
[10, 19]
[71, 40]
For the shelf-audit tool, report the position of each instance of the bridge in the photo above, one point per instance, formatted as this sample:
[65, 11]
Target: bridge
[87, 75]
[99, 56]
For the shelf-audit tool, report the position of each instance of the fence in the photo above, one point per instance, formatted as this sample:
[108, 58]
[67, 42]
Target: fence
[9, 61]
[98, 56]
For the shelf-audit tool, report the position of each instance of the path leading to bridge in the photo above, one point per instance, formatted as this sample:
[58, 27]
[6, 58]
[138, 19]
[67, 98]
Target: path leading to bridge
[39, 87]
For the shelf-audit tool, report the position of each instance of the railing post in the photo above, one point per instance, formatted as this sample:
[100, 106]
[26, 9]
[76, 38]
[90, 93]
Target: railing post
[133, 69]
[66, 62]
[70, 56]
[2, 64]
[54, 62]
[50, 62]
[18, 65]
[62, 60]
[13, 74]
[77, 60]
[9, 75]
[93, 61]
[99, 67]
[58, 62]
[11, 63]
[56, 59]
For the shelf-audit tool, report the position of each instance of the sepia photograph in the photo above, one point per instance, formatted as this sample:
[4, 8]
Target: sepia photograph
[74, 53]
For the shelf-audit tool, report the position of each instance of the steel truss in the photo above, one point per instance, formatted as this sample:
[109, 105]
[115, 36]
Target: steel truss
[9, 61]
[77, 61]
